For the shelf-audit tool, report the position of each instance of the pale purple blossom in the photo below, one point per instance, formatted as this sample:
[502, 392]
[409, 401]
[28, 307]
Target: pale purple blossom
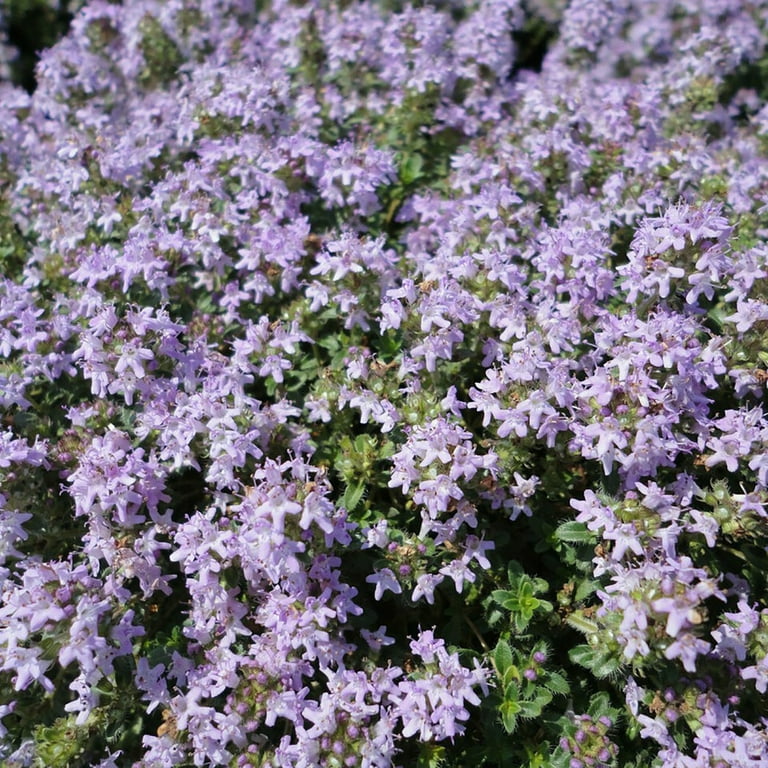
[385, 580]
[532, 287]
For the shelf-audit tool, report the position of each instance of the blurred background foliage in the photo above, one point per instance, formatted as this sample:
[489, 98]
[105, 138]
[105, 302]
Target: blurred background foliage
[30, 26]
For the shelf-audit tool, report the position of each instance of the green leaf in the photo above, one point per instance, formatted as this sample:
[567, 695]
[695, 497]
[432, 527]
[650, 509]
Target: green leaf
[509, 682]
[583, 655]
[574, 533]
[364, 443]
[556, 683]
[605, 666]
[579, 621]
[353, 495]
[585, 589]
[509, 711]
[430, 756]
[534, 707]
[525, 591]
[600, 706]
[521, 621]
[410, 169]
[502, 657]
[329, 342]
[600, 663]
[506, 599]
[387, 449]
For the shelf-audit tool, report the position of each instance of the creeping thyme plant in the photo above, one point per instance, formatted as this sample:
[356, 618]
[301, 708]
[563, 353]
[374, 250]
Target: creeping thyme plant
[382, 385]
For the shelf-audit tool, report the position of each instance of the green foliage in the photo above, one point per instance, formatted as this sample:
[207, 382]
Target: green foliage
[33, 25]
[67, 744]
[360, 463]
[13, 247]
[701, 97]
[520, 598]
[535, 36]
[521, 697]
[161, 54]
[599, 661]
[575, 533]
[431, 756]
[62, 745]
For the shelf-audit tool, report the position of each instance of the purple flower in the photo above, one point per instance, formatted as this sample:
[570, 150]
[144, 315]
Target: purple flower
[687, 648]
[459, 572]
[680, 612]
[759, 673]
[425, 587]
[384, 580]
[475, 549]
[624, 536]
[378, 639]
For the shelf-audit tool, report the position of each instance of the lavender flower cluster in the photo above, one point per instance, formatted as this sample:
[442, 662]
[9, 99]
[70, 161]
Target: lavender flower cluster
[382, 384]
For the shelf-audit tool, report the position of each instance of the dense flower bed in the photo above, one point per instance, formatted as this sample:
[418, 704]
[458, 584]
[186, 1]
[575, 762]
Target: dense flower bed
[382, 385]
